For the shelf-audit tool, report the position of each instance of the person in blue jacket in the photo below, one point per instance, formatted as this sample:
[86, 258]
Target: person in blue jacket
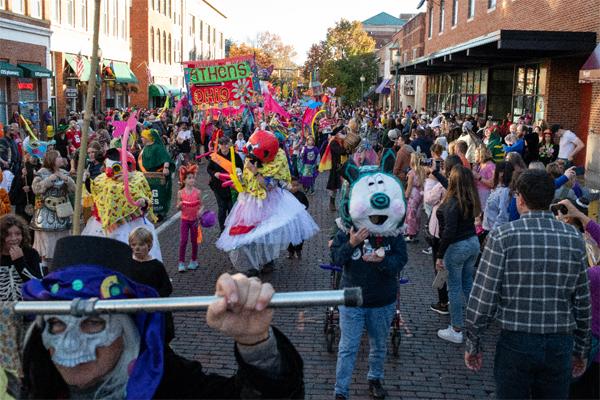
[370, 246]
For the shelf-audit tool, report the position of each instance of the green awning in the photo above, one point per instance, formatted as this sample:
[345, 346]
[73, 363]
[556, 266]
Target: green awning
[72, 61]
[7, 69]
[123, 74]
[156, 90]
[36, 71]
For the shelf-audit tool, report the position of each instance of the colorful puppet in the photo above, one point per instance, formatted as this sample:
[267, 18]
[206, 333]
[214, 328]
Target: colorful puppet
[375, 199]
[266, 217]
[36, 148]
[115, 216]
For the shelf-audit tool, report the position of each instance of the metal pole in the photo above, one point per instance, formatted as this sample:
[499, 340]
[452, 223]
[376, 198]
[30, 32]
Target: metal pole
[351, 297]
[86, 121]
[397, 91]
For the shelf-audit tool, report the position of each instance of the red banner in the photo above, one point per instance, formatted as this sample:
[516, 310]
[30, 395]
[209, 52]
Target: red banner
[230, 93]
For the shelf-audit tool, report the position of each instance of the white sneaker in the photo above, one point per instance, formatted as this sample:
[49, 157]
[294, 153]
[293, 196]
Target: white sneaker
[427, 251]
[450, 335]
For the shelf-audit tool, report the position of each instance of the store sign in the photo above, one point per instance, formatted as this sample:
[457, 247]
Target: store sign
[9, 72]
[71, 93]
[25, 84]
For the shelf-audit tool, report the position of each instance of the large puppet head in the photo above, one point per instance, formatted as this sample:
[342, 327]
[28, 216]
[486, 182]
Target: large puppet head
[112, 164]
[375, 199]
[262, 146]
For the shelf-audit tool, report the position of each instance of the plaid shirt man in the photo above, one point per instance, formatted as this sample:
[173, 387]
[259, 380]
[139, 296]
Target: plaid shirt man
[532, 278]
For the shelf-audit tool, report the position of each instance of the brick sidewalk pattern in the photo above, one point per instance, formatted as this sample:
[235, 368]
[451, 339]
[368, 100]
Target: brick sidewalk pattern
[427, 366]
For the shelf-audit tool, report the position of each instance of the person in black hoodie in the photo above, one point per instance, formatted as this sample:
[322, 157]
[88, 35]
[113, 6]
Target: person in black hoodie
[215, 168]
[19, 262]
[458, 247]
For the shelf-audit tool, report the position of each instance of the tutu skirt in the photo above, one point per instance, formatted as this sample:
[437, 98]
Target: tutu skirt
[278, 220]
[94, 228]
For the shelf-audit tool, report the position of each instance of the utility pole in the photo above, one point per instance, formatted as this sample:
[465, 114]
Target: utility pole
[89, 103]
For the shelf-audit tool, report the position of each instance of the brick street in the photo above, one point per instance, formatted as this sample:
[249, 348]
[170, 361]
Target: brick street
[427, 367]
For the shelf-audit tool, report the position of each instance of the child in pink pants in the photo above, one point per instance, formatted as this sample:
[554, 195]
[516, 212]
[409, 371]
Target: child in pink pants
[189, 201]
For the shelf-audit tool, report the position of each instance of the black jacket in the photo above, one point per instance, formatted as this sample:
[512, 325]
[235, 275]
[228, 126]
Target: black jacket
[182, 378]
[453, 226]
[378, 281]
[215, 183]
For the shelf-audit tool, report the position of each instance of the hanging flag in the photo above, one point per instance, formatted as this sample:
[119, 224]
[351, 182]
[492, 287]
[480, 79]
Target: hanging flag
[79, 66]
[149, 74]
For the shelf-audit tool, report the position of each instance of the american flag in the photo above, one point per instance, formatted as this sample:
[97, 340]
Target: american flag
[79, 66]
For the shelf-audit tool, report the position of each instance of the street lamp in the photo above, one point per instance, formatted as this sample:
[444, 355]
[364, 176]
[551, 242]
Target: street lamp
[362, 90]
[396, 60]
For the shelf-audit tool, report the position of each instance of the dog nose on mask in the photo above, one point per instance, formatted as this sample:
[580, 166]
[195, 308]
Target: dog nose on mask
[380, 201]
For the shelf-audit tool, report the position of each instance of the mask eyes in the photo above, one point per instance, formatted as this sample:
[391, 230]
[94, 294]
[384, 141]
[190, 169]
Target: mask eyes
[56, 326]
[92, 325]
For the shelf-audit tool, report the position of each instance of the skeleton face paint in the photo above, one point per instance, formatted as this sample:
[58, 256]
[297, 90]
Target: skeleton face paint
[75, 339]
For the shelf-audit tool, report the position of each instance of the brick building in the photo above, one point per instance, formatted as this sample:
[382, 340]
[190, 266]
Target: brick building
[72, 24]
[492, 58]
[176, 31]
[383, 26]
[24, 60]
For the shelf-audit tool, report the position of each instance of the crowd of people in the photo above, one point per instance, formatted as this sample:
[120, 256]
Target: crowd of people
[499, 204]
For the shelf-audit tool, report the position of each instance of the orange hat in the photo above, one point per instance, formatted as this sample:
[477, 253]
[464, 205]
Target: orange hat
[184, 171]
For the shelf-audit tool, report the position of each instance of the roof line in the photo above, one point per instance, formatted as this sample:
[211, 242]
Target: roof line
[214, 8]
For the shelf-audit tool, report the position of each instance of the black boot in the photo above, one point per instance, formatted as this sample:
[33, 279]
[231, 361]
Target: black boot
[332, 204]
[376, 389]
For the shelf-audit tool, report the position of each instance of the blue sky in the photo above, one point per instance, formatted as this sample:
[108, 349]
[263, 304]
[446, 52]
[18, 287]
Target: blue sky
[303, 22]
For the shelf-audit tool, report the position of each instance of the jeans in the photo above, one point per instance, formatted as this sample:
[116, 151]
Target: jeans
[459, 259]
[533, 365]
[192, 228]
[352, 322]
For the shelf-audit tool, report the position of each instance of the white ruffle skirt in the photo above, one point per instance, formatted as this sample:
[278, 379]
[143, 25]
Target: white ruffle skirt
[94, 228]
[278, 220]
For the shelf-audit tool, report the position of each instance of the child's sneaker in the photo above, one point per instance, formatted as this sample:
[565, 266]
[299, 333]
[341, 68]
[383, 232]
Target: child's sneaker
[192, 265]
[181, 267]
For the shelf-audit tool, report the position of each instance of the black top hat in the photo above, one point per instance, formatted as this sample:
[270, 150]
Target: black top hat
[92, 250]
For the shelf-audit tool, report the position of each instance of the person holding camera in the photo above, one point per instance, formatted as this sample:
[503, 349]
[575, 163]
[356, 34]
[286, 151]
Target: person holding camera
[533, 280]
[588, 385]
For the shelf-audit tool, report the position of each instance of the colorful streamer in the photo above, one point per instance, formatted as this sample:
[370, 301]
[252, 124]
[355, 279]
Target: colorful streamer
[28, 127]
[131, 124]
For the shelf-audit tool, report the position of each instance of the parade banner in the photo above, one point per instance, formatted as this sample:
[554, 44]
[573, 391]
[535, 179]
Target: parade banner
[220, 83]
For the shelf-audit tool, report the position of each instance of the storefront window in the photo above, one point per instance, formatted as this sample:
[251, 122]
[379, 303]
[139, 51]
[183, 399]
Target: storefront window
[527, 95]
[28, 100]
[463, 92]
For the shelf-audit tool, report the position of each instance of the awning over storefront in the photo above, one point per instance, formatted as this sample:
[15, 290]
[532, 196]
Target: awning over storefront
[35, 71]
[72, 61]
[123, 74]
[10, 70]
[501, 47]
[590, 72]
[382, 86]
[156, 90]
